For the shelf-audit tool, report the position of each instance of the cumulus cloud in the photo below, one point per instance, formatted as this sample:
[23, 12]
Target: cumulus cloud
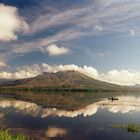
[87, 70]
[54, 50]
[122, 77]
[24, 72]
[10, 23]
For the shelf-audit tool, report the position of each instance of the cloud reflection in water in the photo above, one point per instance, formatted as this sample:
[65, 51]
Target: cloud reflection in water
[125, 104]
[55, 131]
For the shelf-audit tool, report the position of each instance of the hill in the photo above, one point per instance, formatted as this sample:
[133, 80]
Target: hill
[63, 80]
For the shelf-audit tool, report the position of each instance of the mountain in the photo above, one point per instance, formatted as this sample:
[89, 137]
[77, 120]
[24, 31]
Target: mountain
[63, 79]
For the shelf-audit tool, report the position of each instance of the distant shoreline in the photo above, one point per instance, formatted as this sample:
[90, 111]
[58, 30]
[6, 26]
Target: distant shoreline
[46, 89]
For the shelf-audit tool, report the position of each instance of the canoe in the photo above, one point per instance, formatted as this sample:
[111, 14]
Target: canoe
[113, 98]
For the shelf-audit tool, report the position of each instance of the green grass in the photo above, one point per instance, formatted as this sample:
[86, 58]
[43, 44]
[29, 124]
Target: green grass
[129, 127]
[6, 135]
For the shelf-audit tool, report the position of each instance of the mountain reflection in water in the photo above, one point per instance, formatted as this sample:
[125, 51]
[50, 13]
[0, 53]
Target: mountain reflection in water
[125, 104]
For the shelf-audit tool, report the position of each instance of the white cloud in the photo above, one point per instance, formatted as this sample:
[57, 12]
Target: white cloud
[3, 64]
[10, 23]
[122, 77]
[54, 50]
[89, 71]
[98, 28]
[24, 72]
[132, 32]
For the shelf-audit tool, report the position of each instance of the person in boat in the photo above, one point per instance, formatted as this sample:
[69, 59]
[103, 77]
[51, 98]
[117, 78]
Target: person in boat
[112, 98]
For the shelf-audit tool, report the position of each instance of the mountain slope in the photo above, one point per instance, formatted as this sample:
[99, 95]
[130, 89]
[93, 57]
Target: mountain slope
[63, 79]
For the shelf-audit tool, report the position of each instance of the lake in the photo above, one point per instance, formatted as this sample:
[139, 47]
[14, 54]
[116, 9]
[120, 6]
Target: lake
[70, 116]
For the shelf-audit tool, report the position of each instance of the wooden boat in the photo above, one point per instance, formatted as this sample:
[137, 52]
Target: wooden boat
[113, 98]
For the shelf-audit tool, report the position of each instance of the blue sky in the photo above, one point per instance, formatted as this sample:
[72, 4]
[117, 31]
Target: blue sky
[102, 34]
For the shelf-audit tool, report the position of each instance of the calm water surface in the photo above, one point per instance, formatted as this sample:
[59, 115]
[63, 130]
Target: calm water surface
[90, 122]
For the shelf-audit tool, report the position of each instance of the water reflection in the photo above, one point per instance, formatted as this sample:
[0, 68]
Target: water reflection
[2, 115]
[61, 100]
[125, 104]
[55, 132]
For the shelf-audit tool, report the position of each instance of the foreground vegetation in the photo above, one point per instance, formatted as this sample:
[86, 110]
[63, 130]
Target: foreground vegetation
[129, 127]
[6, 135]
